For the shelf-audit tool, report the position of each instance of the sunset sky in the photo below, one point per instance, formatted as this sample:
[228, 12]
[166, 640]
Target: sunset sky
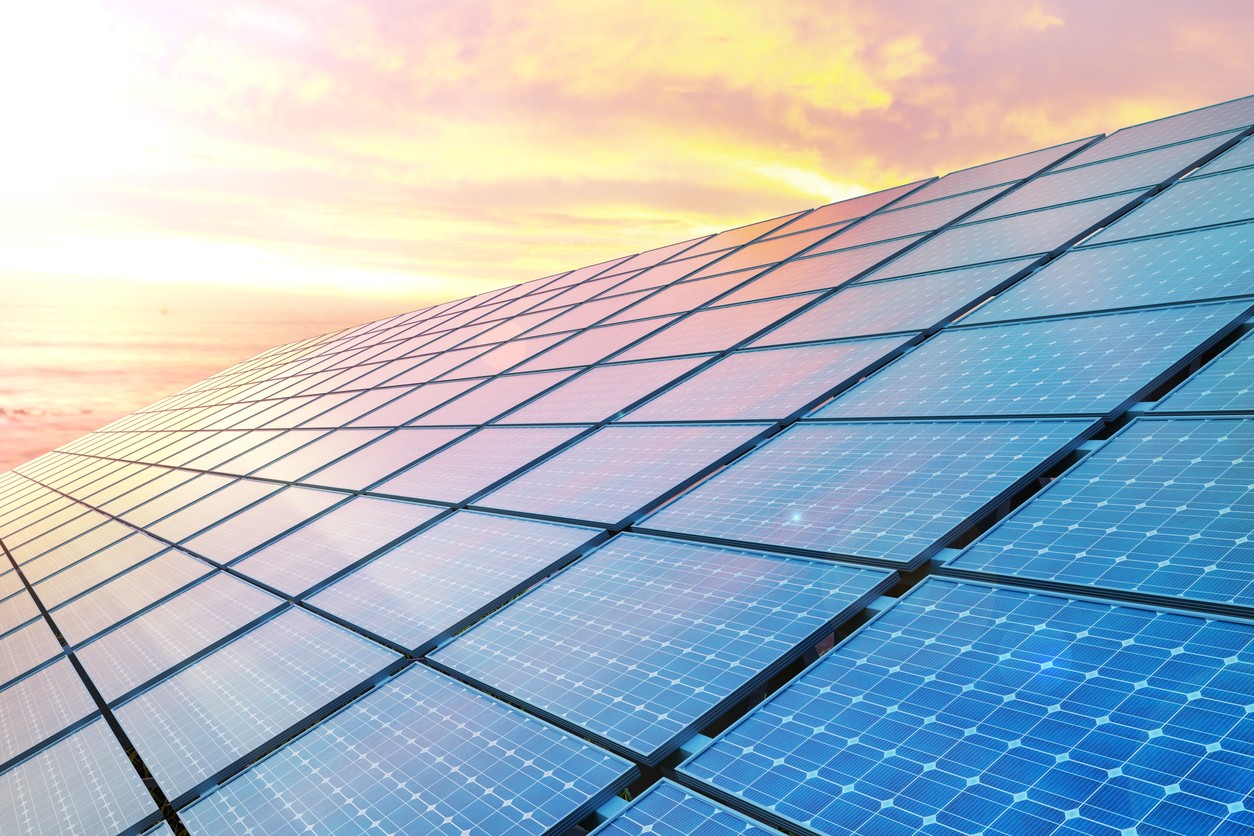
[232, 175]
[418, 150]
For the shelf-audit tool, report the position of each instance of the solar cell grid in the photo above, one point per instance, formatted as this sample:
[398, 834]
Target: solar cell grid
[428, 586]
[252, 527]
[668, 809]
[57, 587]
[1079, 365]
[199, 515]
[392, 762]
[1226, 383]
[410, 405]
[318, 453]
[226, 705]
[39, 705]
[908, 304]
[617, 470]
[971, 708]
[714, 329]
[1238, 157]
[739, 235]
[766, 384]
[1163, 510]
[911, 220]
[682, 297]
[890, 492]
[1193, 202]
[473, 463]
[848, 210]
[589, 313]
[664, 274]
[498, 395]
[645, 639]
[82, 784]
[594, 344]
[601, 392]
[505, 356]
[1190, 267]
[766, 252]
[381, 458]
[996, 173]
[25, 648]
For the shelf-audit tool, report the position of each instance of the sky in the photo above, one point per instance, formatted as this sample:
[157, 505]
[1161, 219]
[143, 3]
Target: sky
[346, 160]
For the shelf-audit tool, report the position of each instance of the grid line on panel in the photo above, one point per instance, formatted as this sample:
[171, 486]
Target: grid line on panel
[158, 797]
[1225, 384]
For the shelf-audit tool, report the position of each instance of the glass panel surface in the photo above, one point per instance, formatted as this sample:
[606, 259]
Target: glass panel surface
[1193, 202]
[381, 458]
[601, 392]
[1226, 383]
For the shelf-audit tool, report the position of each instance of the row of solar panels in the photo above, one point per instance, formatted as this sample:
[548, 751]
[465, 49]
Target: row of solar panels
[216, 590]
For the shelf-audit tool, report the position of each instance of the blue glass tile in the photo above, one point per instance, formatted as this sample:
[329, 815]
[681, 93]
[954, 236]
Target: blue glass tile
[1225, 383]
[82, 784]
[645, 639]
[208, 715]
[765, 384]
[392, 762]
[1192, 202]
[1164, 509]
[1190, 267]
[968, 708]
[430, 584]
[1080, 365]
[617, 470]
[667, 809]
[878, 491]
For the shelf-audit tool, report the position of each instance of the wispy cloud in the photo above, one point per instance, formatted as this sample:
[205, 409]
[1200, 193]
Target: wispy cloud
[433, 149]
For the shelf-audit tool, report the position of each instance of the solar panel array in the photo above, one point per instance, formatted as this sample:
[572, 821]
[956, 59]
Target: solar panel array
[930, 511]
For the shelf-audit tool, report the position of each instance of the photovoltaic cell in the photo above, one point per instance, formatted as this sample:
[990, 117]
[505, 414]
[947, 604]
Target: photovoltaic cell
[333, 542]
[818, 273]
[1031, 233]
[682, 297]
[995, 173]
[601, 392]
[714, 329]
[1190, 267]
[265, 520]
[909, 304]
[667, 809]
[381, 458]
[766, 384]
[203, 513]
[317, 454]
[1193, 202]
[1226, 383]
[494, 397]
[38, 706]
[1164, 509]
[854, 207]
[221, 708]
[645, 639]
[151, 643]
[429, 585]
[594, 344]
[478, 460]
[739, 235]
[393, 763]
[1080, 365]
[967, 708]
[26, 647]
[912, 220]
[617, 470]
[82, 784]
[887, 492]
[1239, 156]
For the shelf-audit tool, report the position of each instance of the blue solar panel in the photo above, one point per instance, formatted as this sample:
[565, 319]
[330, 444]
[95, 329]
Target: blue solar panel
[149, 644]
[892, 492]
[615, 471]
[1225, 383]
[714, 329]
[766, 384]
[1165, 510]
[82, 784]
[225, 706]
[1084, 365]
[645, 639]
[919, 217]
[431, 584]
[263, 521]
[1031, 233]
[1238, 157]
[38, 706]
[966, 708]
[393, 762]
[1190, 267]
[667, 809]
[1192, 202]
[333, 542]
[1123, 174]
[820, 273]
[601, 392]
[909, 304]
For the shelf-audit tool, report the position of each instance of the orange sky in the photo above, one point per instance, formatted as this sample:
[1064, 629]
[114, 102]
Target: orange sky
[423, 150]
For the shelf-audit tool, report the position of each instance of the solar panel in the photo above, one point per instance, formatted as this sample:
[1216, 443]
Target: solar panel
[996, 172]
[1190, 267]
[594, 344]
[1234, 158]
[668, 809]
[81, 784]
[714, 329]
[24, 648]
[1194, 202]
[616, 470]
[911, 220]
[818, 273]
[969, 708]
[767, 384]
[434, 583]
[267, 519]
[392, 762]
[34, 708]
[381, 458]
[1084, 365]
[333, 542]
[602, 392]
[885, 492]
[498, 395]
[1162, 512]
[231, 703]
[1226, 383]
[475, 462]
[909, 304]
[644, 640]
